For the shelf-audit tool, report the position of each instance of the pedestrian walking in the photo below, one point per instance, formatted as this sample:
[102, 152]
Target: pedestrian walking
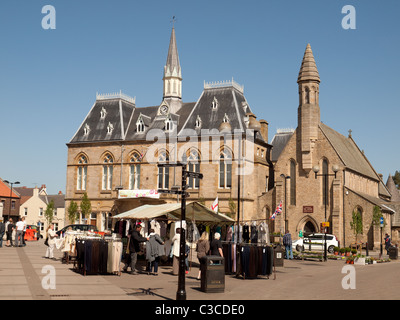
[51, 236]
[287, 242]
[202, 248]
[216, 245]
[9, 230]
[23, 235]
[19, 228]
[154, 251]
[176, 245]
[388, 242]
[134, 247]
[2, 231]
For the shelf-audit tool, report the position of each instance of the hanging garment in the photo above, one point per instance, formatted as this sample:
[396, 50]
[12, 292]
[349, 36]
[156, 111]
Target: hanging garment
[254, 234]
[246, 234]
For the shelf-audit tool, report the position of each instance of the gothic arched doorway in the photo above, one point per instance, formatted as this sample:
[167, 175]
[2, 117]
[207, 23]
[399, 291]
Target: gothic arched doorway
[309, 228]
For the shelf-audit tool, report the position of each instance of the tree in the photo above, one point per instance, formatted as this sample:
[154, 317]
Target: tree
[49, 213]
[356, 224]
[86, 207]
[73, 213]
[232, 208]
[396, 179]
[376, 216]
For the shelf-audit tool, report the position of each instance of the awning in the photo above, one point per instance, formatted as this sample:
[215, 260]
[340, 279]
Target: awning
[194, 211]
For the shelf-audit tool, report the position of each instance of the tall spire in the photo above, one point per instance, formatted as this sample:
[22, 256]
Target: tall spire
[308, 111]
[172, 71]
[308, 70]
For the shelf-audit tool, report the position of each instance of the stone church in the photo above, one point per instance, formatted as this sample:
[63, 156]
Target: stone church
[113, 155]
[322, 175]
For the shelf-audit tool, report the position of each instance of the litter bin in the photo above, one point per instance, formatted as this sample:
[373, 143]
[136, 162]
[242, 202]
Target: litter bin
[393, 253]
[212, 274]
[279, 255]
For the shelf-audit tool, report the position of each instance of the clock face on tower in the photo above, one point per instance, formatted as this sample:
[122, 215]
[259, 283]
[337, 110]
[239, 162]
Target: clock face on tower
[164, 110]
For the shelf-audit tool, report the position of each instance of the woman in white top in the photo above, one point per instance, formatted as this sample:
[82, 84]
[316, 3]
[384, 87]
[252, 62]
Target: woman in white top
[176, 243]
[51, 235]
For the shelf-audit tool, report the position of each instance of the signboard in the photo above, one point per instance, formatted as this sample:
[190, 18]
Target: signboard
[308, 209]
[132, 194]
[324, 224]
[381, 221]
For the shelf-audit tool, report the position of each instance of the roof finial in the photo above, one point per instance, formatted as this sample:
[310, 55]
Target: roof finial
[350, 131]
[173, 21]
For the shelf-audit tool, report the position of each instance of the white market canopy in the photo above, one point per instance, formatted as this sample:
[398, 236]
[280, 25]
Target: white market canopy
[194, 211]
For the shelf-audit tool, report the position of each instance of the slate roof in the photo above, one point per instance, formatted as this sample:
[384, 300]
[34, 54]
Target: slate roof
[124, 116]
[118, 113]
[349, 152]
[279, 142]
[392, 189]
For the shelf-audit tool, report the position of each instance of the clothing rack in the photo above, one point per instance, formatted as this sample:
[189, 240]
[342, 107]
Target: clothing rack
[98, 256]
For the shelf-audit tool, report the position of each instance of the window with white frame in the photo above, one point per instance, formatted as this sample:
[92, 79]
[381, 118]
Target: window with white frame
[134, 174]
[107, 172]
[40, 212]
[163, 173]
[194, 166]
[81, 173]
[225, 169]
[140, 125]
[25, 212]
[169, 125]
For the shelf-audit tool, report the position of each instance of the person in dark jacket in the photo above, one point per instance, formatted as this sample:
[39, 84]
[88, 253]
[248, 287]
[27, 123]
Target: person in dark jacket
[134, 247]
[287, 242]
[2, 231]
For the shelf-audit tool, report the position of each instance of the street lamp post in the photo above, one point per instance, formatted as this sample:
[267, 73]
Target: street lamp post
[181, 293]
[11, 184]
[286, 178]
[335, 169]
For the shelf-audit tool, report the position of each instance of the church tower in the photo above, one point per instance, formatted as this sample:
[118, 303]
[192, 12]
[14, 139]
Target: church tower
[308, 111]
[173, 77]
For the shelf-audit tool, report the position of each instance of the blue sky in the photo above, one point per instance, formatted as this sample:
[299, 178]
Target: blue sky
[49, 78]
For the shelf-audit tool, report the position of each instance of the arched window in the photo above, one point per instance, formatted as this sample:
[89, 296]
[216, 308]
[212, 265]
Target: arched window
[163, 173]
[292, 182]
[325, 185]
[169, 125]
[107, 172]
[82, 173]
[307, 95]
[140, 125]
[225, 169]
[194, 166]
[134, 172]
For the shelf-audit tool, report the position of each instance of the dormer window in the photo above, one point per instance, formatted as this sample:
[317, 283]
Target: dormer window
[214, 104]
[226, 119]
[169, 125]
[244, 106]
[103, 113]
[140, 125]
[110, 128]
[86, 129]
[198, 122]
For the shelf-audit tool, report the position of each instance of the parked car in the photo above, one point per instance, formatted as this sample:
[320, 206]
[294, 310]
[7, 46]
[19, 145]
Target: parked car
[315, 242]
[76, 227]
